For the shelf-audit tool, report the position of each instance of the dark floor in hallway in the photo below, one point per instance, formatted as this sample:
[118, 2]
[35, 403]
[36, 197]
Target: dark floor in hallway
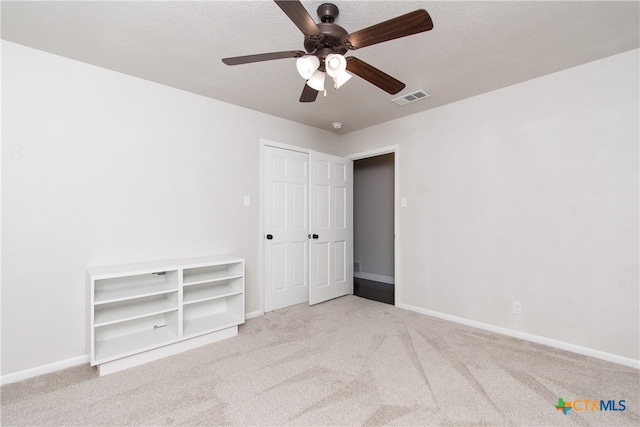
[377, 291]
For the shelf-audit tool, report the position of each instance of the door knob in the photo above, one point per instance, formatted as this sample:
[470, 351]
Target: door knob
[269, 236]
[315, 236]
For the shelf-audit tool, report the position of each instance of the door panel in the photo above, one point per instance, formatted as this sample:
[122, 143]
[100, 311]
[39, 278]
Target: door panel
[331, 225]
[321, 265]
[340, 200]
[286, 213]
[300, 270]
[279, 203]
[300, 202]
[340, 259]
[323, 215]
[279, 266]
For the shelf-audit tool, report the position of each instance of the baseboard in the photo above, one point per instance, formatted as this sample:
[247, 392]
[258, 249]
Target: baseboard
[253, 314]
[44, 369]
[585, 351]
[375, 277]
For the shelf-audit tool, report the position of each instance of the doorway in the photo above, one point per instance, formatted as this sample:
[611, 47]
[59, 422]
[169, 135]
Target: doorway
[374, 223]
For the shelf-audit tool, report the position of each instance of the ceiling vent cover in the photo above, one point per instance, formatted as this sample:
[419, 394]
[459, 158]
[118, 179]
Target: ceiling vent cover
[411, 97]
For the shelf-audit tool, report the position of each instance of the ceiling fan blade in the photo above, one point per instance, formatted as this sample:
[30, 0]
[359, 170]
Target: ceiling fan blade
[299, 15]
[309, 94]
[237, 60]
[374, 76]
[414, 22]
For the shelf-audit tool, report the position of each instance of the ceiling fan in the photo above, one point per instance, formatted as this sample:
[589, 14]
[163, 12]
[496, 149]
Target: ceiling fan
[326, 43]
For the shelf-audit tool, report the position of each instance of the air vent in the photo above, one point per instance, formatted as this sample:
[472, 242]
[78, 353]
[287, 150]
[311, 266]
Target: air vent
[411, 97]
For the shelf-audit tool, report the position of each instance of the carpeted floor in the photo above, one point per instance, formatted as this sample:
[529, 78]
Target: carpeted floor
[348, 361]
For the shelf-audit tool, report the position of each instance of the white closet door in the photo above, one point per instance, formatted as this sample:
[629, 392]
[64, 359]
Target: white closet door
[286, 196]
[331, 227]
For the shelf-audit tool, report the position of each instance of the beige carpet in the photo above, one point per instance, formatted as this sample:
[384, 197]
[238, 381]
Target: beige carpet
[349, 361]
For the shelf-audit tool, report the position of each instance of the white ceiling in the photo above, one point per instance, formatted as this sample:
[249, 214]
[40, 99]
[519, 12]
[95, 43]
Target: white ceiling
[475, 47]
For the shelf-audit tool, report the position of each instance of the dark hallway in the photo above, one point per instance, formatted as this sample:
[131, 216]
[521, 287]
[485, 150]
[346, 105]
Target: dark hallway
[377, 291]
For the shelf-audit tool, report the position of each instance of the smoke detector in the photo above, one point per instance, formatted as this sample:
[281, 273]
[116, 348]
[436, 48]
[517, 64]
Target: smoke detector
[411, 97]
[336, 125]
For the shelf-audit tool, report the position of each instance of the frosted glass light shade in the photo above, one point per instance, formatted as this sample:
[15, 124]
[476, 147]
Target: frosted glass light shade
[335, 64]
[306, 65]
[316, 81]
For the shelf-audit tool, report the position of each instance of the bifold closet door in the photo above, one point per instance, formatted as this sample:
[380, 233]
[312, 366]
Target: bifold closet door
[331, 227]
[308, 226]
[286, 227]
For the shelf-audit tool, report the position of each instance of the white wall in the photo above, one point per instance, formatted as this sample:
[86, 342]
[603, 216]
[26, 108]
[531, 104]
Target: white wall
[373, 223]
[115, 169]
[528, 193]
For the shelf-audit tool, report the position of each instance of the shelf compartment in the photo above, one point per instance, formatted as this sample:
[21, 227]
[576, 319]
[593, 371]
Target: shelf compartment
[136, 286]
[213, 314]
[124, 311]
[195, 276]
[212, 290]
[214, 322]
[134, 336]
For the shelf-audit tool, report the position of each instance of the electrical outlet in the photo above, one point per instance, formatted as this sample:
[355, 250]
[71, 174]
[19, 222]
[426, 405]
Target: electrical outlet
[517, 307]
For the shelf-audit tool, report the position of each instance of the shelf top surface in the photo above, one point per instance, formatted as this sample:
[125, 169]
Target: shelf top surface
[155, 266]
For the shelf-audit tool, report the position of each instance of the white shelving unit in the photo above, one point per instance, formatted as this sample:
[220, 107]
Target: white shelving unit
[141, 312]
[213, 297]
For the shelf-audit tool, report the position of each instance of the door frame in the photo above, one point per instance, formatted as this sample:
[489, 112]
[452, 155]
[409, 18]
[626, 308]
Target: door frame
[395, 149]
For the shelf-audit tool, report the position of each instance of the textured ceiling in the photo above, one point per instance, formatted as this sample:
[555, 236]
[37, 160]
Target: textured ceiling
[475, 47]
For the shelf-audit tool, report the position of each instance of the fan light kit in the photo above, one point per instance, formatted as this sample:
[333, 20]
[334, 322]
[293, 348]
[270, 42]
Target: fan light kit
[326, 43]
[335, 66]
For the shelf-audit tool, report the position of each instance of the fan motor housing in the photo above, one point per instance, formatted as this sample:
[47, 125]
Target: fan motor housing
[332, 35]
